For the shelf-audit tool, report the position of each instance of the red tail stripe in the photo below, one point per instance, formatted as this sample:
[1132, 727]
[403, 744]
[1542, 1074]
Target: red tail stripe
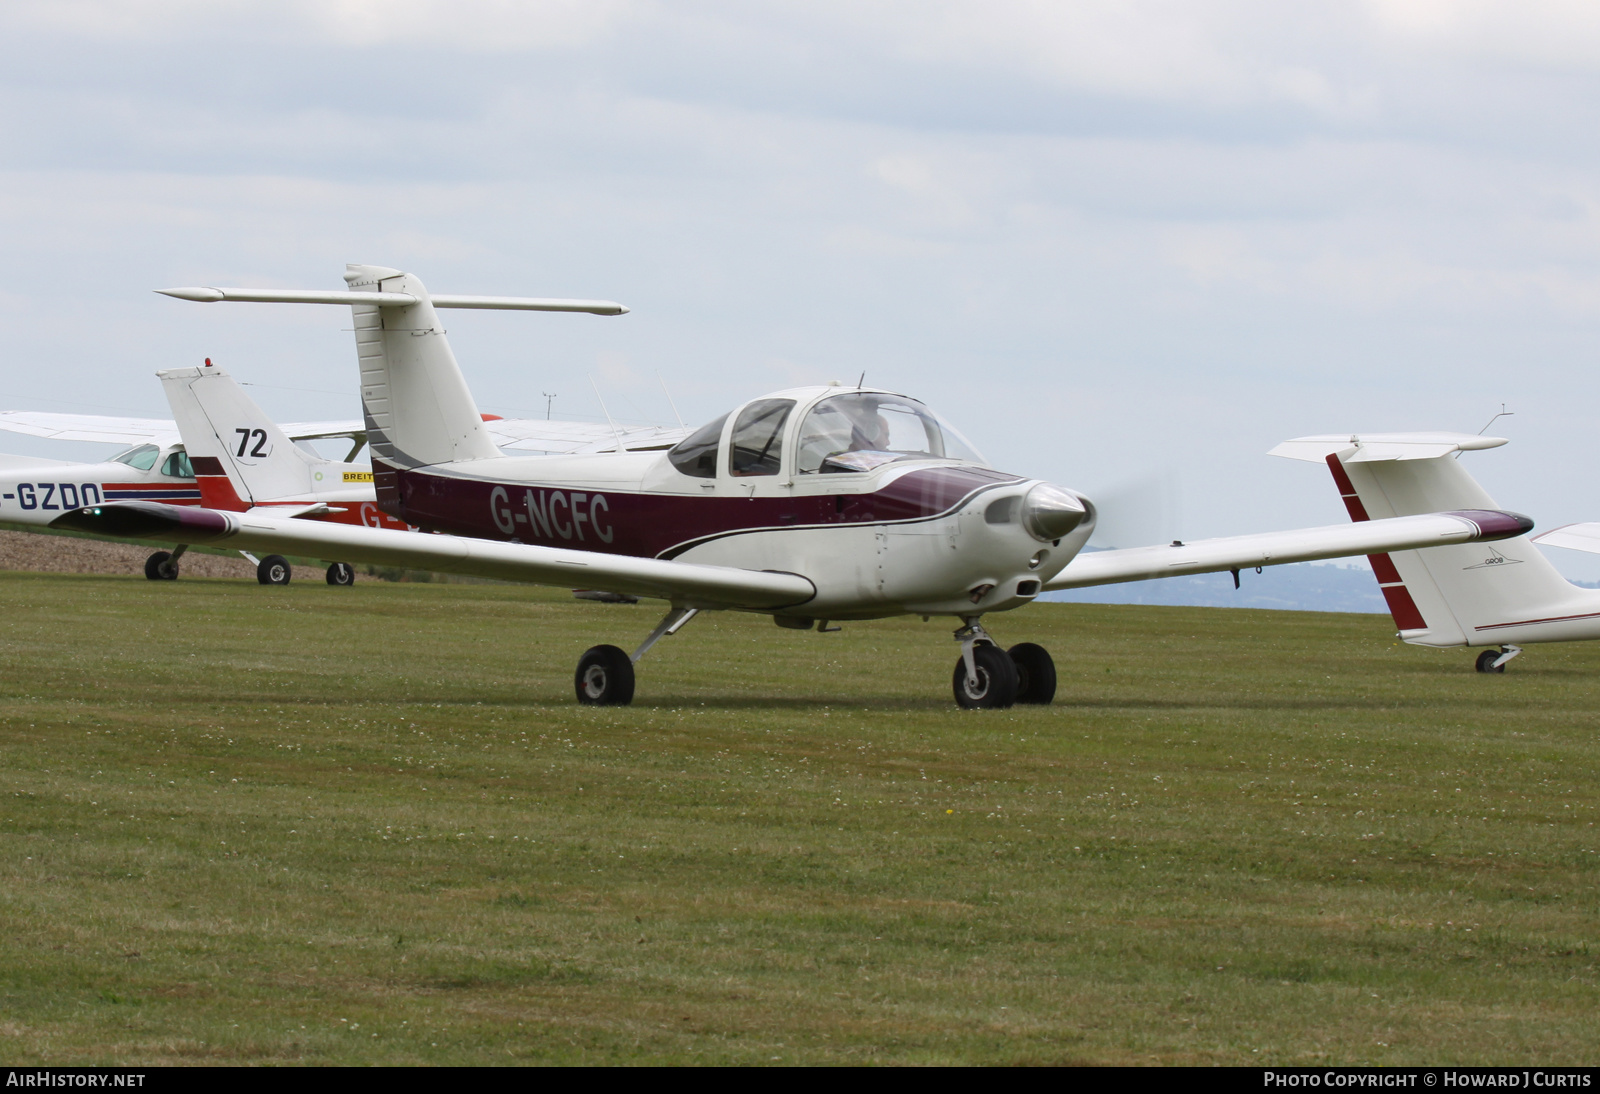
[1383, 569]
[1347, 490]
[1403, 609]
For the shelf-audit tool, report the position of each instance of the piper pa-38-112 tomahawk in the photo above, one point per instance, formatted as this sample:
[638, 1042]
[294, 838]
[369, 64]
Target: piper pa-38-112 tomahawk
[812, 505]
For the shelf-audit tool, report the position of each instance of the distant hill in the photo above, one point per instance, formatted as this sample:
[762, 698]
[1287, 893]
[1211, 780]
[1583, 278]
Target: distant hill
[1300, 587]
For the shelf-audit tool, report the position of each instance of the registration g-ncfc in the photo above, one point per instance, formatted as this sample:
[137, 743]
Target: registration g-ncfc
[1541, 1080]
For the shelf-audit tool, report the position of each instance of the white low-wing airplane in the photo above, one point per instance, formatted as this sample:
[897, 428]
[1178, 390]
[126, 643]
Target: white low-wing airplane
[1505, 595]
[812, 505]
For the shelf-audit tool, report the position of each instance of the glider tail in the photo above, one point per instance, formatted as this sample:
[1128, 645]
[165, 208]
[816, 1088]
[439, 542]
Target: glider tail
[1479, 594]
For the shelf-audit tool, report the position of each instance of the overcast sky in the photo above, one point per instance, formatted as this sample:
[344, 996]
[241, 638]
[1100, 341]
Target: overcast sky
[1127, 246]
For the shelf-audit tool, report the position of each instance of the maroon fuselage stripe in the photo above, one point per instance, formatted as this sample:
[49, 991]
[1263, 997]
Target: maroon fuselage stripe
[1530, 622]
[656, 525]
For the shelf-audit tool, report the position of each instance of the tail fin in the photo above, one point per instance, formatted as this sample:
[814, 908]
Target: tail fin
[1482, 594]
[417, 405]
[241, 458]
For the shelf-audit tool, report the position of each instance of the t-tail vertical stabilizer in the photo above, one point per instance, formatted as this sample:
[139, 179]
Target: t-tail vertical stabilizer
[416, 402]
[1477, 594]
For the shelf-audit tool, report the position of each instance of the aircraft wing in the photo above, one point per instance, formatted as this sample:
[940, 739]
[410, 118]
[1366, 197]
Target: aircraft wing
[1575, 537]
[115, 430]
[539, 435]
[1210, 556]
[89, 427]
[685, 584]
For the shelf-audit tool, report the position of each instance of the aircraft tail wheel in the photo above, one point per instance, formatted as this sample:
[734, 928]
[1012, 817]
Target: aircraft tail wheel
[604, 677]
[341, 573]
[273, 570]
[996, 687]
[1036, 673]
[160, 567]
[1487, 659]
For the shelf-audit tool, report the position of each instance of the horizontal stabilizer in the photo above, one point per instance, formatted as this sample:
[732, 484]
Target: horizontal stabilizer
[1378, 447]
[208, 295]
[683, 583]
[1574, 537]
[1210, 556]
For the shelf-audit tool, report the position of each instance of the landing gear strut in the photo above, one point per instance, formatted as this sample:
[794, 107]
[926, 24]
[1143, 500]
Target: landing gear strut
[341, 573]
[1495, 660]
[605, 673]
[163, 566]
[987, 678]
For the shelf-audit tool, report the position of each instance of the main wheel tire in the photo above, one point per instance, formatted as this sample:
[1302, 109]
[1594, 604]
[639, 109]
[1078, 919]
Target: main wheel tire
[996, 688]
[274, 570]
[1036, 673]
[341, 573]
[604, 677]
[1487, 659]
[160, 567]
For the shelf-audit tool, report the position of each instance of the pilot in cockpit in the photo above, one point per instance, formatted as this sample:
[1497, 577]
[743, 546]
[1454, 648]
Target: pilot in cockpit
[869, 432]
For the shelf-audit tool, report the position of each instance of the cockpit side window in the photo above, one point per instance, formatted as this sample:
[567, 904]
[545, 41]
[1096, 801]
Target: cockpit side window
[696, 454]
[860, 431]
[141, 457]
[756, 447]
[177, 465]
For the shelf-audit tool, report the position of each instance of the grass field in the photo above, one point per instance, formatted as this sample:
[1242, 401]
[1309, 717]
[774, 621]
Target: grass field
[371, 825]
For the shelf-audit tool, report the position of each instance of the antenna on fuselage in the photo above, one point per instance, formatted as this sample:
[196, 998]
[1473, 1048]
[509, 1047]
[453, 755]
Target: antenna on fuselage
[615, 432]
[670, 403]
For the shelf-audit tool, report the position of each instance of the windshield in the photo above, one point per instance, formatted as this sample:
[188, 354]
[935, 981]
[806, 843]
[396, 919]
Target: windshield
[863, 430]
[142, 457]
[696, 454]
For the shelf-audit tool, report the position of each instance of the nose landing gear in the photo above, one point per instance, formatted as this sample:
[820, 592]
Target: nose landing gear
[987, 678]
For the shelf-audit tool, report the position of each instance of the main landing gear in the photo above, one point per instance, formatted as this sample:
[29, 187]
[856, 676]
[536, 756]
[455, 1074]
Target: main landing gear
[605, 673]
[988, 678]
[163, 565]
[274, 570]
[1495, 660]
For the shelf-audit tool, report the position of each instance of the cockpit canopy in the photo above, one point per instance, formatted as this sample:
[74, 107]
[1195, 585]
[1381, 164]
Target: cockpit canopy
[142, 457]
[854, 431]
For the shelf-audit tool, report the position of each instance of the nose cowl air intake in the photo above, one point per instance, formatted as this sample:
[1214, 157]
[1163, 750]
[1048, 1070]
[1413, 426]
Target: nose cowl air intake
[1049, 512]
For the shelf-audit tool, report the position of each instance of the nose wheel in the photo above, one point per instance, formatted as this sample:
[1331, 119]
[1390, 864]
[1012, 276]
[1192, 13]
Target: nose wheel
[990, 683]
[988, 678]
